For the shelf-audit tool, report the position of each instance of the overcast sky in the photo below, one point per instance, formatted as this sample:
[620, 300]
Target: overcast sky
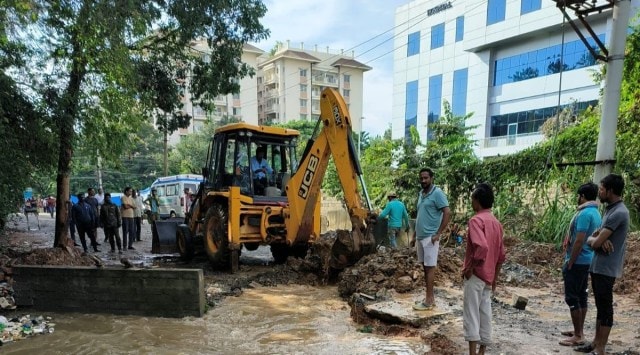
[344, 24]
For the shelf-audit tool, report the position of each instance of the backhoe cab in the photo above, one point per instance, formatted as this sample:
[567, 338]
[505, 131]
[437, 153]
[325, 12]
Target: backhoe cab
[255, 192]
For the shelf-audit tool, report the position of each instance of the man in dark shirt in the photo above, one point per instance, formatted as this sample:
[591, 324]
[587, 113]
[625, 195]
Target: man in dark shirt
[86, 222]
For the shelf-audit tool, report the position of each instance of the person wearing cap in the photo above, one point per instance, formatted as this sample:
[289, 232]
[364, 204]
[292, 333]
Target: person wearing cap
[396, 211]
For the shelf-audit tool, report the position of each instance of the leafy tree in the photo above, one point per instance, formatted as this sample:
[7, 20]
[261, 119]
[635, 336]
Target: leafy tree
[93, 52]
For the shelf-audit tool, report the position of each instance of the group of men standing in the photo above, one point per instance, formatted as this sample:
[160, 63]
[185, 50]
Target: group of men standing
[594, 246]
[98, 210]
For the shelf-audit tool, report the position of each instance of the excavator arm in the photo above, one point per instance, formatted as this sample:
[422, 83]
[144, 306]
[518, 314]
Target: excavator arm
[303, 190]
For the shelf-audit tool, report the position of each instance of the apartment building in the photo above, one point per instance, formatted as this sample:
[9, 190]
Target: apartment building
[290, 81]
[243, 106]
[511, 63]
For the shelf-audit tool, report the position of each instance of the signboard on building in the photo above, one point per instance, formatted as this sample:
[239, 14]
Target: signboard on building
[444, 6]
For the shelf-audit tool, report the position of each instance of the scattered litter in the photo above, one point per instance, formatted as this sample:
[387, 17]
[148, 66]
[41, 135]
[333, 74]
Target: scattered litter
[6, 296]
[19, 328]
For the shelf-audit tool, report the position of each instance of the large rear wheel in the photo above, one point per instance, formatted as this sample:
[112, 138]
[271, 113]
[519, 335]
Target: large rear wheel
[216, 239]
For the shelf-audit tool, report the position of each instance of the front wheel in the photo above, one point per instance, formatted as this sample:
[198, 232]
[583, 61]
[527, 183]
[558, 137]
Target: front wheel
[280, 253]
[185, 242]
[216, 239]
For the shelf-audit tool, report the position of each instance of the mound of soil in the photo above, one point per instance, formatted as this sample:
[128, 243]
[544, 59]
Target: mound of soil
[629, 283]
[54, 256]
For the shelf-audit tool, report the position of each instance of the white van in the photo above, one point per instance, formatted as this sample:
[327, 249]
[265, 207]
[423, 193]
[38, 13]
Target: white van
[170, 191]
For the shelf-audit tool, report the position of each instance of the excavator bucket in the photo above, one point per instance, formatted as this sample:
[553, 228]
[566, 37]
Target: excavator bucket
[164, 239]
[350, 247]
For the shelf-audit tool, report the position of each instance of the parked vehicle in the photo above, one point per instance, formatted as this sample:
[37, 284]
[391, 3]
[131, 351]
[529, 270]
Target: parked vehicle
[170, 191]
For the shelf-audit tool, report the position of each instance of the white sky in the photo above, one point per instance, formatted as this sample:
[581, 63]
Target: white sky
[344, 24]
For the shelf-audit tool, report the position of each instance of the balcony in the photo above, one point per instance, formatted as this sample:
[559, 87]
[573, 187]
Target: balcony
[526, 139]
[271, 108]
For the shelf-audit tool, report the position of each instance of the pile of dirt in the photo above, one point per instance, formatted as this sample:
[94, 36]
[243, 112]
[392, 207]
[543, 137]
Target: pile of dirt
[396, 269]
[530, 264]
[629, 283]
[54, 256]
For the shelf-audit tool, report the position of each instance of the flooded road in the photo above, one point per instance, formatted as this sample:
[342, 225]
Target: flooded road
[290, 319]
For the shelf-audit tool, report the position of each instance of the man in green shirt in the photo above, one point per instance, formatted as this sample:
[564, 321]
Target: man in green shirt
[398, 218]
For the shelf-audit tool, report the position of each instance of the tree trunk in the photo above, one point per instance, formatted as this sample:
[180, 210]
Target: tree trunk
[166, 152]
[67, 111]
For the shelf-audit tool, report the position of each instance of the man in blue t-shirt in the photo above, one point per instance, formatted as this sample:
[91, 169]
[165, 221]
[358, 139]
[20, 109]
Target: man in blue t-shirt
[431, 221]
[609, 244]
[398, 218]
[577, 260]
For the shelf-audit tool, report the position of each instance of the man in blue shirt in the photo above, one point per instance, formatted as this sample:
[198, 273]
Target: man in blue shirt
[398, 218]
[432, 219]
[577, 259]
[260, 168]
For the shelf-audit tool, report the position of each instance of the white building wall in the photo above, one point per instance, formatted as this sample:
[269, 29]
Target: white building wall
[478, 50]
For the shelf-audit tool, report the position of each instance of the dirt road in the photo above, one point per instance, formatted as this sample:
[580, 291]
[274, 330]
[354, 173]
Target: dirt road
[531, 271]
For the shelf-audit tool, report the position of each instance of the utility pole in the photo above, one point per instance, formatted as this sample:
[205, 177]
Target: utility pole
[99, 172]
[606, 149]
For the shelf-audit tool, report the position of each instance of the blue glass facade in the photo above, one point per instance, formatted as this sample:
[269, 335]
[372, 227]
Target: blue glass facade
[437, 36]
[545, 61]
[496, 10]
[459, 28]
[434, 103]
[530, 121]
[459, 96]
[413, 43]
[527, 6]
[410, 108]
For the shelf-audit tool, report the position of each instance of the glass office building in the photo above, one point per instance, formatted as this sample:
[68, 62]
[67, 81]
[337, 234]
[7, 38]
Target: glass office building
[500, 61]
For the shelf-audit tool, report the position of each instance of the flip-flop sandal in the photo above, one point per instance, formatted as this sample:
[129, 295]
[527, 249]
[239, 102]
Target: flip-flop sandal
[423, 306]
[570, 342]
[567, 333]
[584, 348]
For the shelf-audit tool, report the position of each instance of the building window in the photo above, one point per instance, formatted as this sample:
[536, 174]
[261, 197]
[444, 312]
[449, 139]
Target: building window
[527, 6]
[347, 78]
[495, 11]
[459, 28]
[413, 44]
[526, 122]
[237, 111]
[330, 79]
[459, 96]
[303, 88]
[303, 116]
[437, 36]
[236, 96]
[303, 72]
[410, 109]
[544, 61]
[435, 101]
[346, 92]
[303, 103]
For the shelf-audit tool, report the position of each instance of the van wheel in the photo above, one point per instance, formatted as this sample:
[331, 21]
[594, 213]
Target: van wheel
[172, 214]
[216, 239]
[185, 242]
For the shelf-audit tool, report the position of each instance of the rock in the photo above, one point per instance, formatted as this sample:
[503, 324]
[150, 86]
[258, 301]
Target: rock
[404, 284]
[520, 302]
[378, 278]
[398, 312]
[127, 264]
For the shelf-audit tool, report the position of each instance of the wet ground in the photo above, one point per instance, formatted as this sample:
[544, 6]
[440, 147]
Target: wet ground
[281, 308]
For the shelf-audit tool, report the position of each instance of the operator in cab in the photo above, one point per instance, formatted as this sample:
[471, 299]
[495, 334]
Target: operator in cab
[260, 168]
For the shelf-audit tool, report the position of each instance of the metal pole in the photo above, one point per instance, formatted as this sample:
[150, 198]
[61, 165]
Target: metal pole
[612, 82]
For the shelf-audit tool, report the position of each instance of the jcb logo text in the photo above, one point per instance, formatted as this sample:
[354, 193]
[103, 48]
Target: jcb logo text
[308, 176]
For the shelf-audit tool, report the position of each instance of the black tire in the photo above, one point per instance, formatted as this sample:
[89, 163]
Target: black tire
[251, 246]
[185, 242]
[299, 250]
[216, 239]
[280, 253]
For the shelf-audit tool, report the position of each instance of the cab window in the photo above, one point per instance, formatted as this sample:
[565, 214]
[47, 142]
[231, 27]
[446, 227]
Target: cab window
[172, 190]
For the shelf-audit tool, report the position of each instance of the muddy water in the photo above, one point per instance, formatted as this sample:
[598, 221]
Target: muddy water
[284, 319]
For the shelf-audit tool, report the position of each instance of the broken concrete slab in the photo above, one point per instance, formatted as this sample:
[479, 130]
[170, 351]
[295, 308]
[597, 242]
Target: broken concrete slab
[402, 313]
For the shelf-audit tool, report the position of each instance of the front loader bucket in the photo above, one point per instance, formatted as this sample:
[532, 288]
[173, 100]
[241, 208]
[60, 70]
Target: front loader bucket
[350, 247]
[164, 239]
